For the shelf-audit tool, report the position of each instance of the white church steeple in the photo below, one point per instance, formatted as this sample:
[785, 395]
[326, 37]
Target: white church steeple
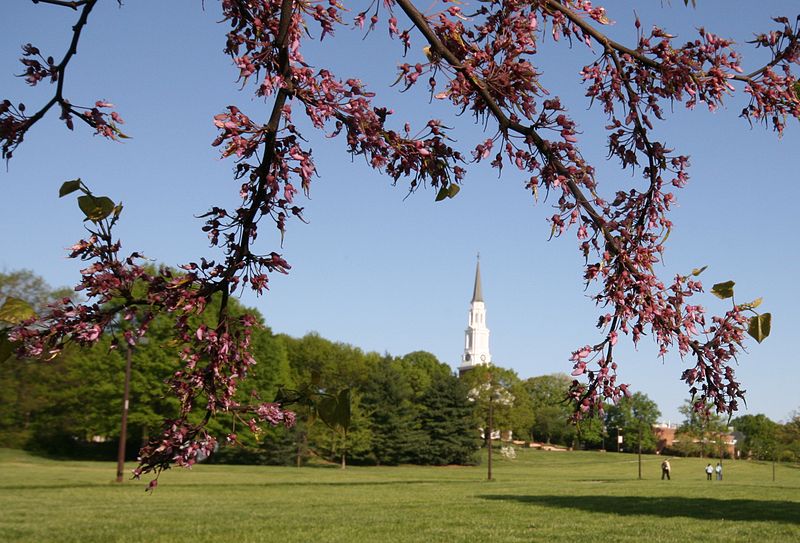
[476, 336]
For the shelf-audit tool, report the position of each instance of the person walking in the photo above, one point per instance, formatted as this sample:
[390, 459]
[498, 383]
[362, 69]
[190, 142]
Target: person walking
[709, 472]
[718, 469]
[665, 469]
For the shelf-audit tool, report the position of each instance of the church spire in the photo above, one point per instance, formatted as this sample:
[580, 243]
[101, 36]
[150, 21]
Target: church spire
[476, 336]
[477, 291]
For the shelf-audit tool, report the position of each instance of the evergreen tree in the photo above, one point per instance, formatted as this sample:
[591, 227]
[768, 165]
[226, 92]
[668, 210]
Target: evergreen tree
[448, 420]
[397, 436]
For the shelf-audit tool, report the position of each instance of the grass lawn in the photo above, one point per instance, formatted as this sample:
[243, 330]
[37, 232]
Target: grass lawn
[540, 496]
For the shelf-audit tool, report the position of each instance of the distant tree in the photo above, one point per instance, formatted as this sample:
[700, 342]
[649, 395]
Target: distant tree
[551, 426]
[700, 431]
[495, 388]
[760, 436]
[591, 432]
[30, 287]
[551, 412]
[356, 443]
[448, 420]
[397, 434]
[421, 368]
[24, 384]
[788, 448]
[635, 416]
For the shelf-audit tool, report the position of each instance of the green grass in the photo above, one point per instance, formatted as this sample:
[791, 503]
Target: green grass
[540, 496]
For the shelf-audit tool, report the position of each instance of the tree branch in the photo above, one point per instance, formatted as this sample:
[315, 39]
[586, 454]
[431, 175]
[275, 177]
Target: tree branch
[73, 4]
[505, 123]
[608, 43]
[17, 133]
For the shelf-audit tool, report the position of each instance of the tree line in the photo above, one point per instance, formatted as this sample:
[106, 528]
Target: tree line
[403, 409]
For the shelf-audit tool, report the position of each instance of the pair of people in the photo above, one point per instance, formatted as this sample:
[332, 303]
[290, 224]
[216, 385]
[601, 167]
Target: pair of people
[710, 471]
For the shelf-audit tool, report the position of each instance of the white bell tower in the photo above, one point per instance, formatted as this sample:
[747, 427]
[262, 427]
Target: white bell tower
[476, 336]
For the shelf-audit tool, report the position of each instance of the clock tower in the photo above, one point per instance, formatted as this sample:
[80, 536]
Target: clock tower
[476, 336]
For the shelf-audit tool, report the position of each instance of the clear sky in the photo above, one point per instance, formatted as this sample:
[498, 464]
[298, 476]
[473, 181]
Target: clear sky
[376, 269]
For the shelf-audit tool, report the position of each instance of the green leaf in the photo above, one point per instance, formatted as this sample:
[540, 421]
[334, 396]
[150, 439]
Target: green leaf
[760, 326]
[442, 194]
[796, 88]
[666, 236]
[6, 347]
[452, 190]
[335, 410]
[96, 208]
[15, 311]
[723, 290]
[68, 187]
[698, 271]
[326, 409]
[752, 305]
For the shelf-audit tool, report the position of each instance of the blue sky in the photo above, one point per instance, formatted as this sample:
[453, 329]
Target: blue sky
[374, 268]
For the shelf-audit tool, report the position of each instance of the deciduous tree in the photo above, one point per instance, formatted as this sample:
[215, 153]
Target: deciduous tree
[760, 436]
[635, 416]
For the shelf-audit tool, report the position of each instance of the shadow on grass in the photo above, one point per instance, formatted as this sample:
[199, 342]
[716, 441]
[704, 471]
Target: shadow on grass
[670, 506]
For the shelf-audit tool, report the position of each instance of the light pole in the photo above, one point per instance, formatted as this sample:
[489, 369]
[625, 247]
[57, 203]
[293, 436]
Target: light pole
[124, 429]
[640, 450]
[491, 430]
[619, 440]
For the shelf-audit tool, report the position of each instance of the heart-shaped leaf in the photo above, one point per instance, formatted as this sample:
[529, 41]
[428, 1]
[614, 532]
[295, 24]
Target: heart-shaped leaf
[760, 326]
[68, 187]
[723, 290]
[326, 409]
[96, 208]
[14, 311]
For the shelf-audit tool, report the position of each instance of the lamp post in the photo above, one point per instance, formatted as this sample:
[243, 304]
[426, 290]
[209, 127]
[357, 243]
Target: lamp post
[773, 467]
[491, 430]
[494, 393]
[124, 429]
[640, 450]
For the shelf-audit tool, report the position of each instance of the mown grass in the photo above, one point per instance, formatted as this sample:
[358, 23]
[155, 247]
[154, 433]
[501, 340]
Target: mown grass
[540, 496]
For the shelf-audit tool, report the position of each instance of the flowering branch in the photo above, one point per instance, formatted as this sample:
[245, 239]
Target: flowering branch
[14, 123]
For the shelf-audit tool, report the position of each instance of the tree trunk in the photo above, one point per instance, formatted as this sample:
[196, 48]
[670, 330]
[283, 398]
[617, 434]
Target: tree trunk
[344, 450]
[301, 447]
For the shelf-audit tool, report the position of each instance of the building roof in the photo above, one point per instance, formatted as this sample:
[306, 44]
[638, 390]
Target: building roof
[477, 292]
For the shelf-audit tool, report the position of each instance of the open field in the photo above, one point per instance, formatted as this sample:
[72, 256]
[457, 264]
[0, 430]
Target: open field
[540, 496]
